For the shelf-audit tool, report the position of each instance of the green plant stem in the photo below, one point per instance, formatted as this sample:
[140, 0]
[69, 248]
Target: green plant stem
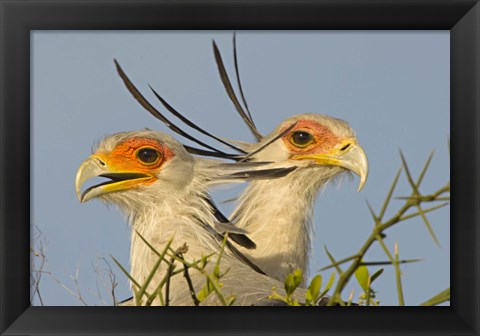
[395, 262]
[338, 263]
[178, 253]
[217, 289]
[196, 302]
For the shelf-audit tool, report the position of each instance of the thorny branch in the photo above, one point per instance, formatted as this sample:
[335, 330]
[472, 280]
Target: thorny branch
[415, 200]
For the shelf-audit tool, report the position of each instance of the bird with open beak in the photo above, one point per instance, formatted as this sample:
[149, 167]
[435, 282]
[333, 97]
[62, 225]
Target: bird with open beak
[277, 213]
[163, 191]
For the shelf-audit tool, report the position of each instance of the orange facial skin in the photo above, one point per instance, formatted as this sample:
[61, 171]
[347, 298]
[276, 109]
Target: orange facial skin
[123, 159]
[323, 139]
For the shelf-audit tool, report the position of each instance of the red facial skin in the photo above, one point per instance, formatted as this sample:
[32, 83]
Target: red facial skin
[323, 139]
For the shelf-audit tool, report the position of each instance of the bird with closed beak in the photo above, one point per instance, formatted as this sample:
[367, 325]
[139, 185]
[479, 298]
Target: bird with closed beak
[278, 213]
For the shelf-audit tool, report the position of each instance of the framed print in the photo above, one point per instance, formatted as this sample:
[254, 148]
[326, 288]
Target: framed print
[74, 72]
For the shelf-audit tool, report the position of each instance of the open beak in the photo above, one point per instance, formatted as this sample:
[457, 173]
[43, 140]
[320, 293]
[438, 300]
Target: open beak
[349, 155]
[117, 180]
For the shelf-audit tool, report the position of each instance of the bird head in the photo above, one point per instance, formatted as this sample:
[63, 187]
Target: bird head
[317, 141]
[138, 165]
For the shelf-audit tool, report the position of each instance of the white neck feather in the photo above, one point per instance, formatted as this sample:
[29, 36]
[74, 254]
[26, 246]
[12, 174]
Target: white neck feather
[158, 226]
[277, 214]
[166, 214]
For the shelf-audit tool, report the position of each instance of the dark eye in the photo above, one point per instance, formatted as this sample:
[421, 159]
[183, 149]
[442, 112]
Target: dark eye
[301, 138]
[148, 155]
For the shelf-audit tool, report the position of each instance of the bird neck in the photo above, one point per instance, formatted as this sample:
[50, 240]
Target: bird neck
[175, 218]
[277, 214]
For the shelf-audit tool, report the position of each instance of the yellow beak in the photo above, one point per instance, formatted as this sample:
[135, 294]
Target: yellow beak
[95, 167]
[349, 155]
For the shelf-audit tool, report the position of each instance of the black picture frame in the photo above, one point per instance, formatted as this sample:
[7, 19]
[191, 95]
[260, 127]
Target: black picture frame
[18, 18]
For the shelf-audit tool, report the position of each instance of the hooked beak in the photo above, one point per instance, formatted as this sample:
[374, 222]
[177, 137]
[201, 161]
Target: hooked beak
[96, 167]
[349, 155]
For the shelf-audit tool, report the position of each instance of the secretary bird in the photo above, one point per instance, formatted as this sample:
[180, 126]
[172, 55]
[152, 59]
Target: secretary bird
[277, 213]
[162, 190]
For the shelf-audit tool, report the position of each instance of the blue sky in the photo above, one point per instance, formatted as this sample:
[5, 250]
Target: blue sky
[392, 87]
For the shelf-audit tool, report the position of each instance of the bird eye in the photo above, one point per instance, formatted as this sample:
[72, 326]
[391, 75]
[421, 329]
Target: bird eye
[148, 155]
[301, 139]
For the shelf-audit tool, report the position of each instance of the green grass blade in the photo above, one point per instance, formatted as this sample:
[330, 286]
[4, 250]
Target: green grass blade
[134, 282]
[441, 297]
